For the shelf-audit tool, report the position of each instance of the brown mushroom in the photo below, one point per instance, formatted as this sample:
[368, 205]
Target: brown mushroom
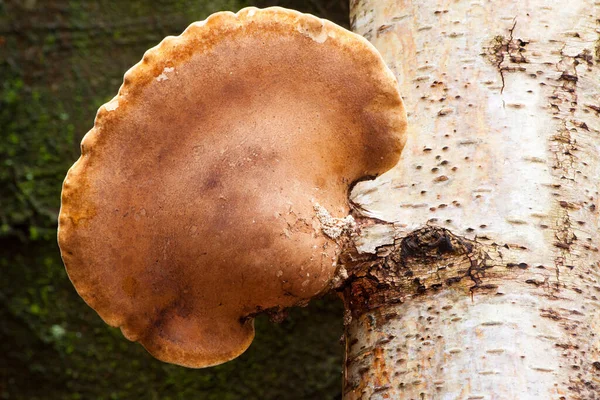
[192, 206]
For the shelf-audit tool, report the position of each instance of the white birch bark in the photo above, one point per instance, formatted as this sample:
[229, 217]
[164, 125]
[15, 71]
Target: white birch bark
[484, 282]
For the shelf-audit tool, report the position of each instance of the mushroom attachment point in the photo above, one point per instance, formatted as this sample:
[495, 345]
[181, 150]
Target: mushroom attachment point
[193, 204]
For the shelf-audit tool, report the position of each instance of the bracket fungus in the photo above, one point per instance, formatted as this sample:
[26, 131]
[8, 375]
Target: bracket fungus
[192, 206]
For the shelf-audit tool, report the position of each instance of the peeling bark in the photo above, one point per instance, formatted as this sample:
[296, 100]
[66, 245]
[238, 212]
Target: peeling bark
[474, 271]
[426, 260]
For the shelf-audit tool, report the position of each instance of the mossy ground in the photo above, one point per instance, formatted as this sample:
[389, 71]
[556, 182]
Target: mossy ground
[59, 61]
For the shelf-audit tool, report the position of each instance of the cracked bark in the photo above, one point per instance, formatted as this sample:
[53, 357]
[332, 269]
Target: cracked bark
[474, 271]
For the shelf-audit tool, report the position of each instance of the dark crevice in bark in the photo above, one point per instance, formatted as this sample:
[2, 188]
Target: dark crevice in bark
[504, 51]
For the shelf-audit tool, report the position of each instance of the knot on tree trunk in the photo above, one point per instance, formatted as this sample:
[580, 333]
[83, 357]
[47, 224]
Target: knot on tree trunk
[423, 261]
[431, 243]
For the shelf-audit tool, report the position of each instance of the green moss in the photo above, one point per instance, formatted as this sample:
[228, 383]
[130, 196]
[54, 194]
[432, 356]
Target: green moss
[62, 345]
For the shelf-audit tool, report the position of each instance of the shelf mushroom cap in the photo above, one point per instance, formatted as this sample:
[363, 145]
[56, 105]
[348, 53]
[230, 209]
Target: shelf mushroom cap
[191, 208]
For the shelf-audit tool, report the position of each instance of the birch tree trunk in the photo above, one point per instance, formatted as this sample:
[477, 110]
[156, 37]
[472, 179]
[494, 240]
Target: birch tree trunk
[476, 273]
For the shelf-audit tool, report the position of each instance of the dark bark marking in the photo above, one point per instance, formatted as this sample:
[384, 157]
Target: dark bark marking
[504, 51]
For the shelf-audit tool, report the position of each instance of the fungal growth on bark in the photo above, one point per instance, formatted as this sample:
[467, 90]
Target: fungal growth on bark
[207, 186]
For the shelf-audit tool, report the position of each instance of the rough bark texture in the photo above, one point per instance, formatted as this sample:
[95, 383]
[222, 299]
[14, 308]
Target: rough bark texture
[476, 270]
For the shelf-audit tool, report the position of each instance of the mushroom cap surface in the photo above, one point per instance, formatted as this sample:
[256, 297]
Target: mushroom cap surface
[191, 207]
